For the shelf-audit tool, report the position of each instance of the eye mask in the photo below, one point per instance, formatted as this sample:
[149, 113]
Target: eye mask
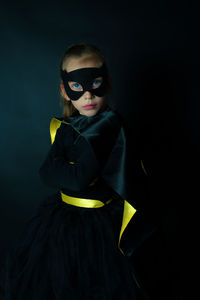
[85, 77]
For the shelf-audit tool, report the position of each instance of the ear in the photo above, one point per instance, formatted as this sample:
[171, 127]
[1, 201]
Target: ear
[63, 92]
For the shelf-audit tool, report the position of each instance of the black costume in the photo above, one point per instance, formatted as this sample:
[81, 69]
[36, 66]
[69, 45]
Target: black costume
[71, 248]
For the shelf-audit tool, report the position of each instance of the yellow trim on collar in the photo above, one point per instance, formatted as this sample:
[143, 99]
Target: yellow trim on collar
[54, 125]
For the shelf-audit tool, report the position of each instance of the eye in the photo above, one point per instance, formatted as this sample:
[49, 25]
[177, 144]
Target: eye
[97, 82]
[75, 86]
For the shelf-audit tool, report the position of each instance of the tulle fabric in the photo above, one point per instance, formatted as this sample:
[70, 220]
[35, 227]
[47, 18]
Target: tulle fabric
[67, 252]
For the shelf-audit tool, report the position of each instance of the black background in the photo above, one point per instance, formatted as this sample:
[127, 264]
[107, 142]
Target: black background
[152, 48]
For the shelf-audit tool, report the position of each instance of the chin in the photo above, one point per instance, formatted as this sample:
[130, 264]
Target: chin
[90, 113]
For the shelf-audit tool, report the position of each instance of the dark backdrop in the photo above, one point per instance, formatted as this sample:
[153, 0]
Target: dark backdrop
[153, 52]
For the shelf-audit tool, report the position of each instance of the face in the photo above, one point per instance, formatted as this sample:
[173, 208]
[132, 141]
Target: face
[88, 103]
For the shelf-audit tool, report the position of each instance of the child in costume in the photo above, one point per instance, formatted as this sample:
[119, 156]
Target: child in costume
[71, 249]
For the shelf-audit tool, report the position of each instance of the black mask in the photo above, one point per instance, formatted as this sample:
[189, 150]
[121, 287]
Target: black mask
[85, 77]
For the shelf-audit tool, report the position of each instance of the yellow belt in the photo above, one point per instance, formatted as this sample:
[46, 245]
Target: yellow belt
[128, 212]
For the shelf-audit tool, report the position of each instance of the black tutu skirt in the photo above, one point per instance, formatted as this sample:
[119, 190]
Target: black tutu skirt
[68, 252]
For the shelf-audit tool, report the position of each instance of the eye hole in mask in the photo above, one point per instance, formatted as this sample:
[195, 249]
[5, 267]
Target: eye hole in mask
[76, 86]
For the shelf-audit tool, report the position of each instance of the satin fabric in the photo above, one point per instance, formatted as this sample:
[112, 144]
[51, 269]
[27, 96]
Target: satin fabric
[107, 138]
[81, 202]
[106, 135]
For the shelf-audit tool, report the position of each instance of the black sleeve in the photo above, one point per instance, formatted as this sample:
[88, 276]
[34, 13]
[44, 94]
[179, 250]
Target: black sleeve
[58, 172]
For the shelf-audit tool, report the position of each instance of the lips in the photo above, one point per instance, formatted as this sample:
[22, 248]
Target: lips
[89, 106]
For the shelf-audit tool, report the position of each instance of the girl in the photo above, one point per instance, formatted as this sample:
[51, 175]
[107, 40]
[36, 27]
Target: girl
[71, 249]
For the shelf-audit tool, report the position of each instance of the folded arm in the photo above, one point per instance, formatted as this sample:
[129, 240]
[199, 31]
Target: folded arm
[59, 172]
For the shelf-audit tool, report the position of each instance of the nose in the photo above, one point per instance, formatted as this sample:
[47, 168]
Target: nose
[88, 95]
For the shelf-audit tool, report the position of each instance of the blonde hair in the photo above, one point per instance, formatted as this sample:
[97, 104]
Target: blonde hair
[77, 50]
